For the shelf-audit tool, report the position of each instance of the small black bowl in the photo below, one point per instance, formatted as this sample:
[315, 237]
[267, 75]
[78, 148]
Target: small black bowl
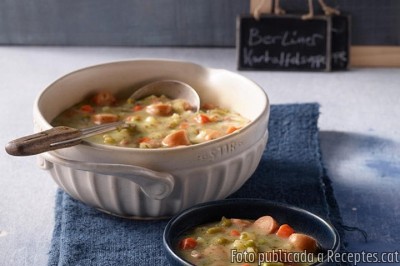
[303, 221]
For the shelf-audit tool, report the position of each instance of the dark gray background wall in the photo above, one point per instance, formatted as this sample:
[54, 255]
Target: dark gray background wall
[169, 22]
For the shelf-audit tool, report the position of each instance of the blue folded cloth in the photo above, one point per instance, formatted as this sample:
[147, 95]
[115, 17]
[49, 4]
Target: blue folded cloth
[290, 171]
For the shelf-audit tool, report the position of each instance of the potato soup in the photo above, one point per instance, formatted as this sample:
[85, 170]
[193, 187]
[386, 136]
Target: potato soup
[153, 122]
[243, 242]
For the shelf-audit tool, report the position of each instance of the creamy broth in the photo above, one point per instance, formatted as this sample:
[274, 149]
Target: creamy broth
[154, 122]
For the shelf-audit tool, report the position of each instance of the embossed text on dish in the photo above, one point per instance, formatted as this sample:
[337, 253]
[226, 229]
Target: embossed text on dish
[219, 151]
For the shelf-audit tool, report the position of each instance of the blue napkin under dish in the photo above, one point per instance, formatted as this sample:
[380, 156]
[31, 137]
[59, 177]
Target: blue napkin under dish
[290, 171]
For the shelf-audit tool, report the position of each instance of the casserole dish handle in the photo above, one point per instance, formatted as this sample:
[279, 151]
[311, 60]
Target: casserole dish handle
[156, 185]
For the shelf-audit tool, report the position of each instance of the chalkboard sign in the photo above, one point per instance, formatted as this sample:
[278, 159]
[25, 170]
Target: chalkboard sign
[340, 42]
[284, 43]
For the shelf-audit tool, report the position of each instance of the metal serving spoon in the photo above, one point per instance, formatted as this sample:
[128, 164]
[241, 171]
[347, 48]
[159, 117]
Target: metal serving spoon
[62, 136]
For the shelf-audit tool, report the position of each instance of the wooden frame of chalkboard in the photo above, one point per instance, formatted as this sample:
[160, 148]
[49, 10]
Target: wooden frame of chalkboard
[284, 43]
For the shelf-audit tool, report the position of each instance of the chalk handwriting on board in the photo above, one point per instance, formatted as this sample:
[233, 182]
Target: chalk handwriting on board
[287, 38]
[339, 57]
[283, 43]
[283, 59]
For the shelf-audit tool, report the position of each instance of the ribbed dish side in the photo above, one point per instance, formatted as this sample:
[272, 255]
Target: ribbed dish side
[121, 197]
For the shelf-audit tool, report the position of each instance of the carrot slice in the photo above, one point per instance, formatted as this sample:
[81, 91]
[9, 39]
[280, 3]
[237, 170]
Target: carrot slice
[144, 139]
[87, 108]
[284, 231]
[202, 119]
[235, 232]
[188, 243]
[137, 107]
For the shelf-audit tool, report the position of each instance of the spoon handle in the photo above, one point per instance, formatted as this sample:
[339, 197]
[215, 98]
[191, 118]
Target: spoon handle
[48, 140]
[57, 138]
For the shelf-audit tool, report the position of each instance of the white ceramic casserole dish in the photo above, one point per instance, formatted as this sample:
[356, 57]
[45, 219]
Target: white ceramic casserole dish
[155, 183]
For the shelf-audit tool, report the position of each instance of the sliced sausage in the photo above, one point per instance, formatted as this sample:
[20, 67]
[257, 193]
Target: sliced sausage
[266, 224]
[303, 242]
[104, 118]
[160, 109]
[104, 98]
[176, 138]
